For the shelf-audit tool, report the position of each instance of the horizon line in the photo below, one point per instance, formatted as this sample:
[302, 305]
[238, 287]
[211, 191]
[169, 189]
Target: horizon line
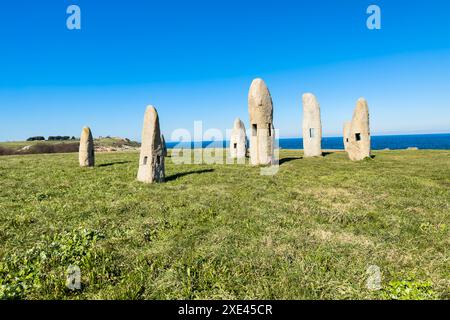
[284, 137]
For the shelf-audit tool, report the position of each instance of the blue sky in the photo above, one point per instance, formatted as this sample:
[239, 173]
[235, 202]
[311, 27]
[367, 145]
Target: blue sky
[195, 60]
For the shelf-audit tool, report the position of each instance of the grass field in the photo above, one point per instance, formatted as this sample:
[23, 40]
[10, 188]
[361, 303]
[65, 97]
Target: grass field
[225, 231]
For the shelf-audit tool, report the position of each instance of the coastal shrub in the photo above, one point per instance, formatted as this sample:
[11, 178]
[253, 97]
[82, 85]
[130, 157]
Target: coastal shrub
[38, 138]
[58, 138]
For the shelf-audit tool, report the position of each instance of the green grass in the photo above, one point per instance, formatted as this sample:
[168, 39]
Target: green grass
[225, 231]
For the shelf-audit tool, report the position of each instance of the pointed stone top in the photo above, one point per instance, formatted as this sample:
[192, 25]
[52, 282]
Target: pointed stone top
[362, 103]
[362, 100]
[309, 95]
[238, 124]
[86, 133]
[151, 116]
[362, 107]
[151, 108]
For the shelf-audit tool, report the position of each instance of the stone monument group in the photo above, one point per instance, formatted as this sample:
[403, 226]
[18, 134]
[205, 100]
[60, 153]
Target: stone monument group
[356, 135]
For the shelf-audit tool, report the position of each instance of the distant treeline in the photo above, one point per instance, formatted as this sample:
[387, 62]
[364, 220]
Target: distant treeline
[41, 148]
[51, 138]
[36, 139]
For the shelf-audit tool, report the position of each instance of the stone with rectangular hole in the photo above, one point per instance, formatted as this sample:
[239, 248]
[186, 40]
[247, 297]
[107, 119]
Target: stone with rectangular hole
[312, 126]
[151, 160]
[260, 108]
[238, 140]
[358, 145]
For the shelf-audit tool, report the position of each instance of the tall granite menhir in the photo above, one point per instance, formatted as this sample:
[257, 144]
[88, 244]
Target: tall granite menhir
[260, 108]
[358, 147]
[346, 134]
[312, 126]
[86, 154]
[238, 140]
[151, 161]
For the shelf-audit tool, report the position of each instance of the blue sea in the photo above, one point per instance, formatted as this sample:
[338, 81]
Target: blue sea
[394, 142]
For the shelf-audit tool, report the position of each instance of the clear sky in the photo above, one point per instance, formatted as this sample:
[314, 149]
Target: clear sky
[195, 60]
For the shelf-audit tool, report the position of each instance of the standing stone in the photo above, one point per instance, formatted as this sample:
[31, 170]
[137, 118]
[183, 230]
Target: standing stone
[312, 126]
[164, 146]
[238, 140]
[346, 135]
[86, 154]
[260, 108]
[359, 138]
[151, 161]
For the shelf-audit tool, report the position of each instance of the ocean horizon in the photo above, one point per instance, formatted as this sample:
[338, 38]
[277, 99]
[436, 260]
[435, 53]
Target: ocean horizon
[439, 141]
